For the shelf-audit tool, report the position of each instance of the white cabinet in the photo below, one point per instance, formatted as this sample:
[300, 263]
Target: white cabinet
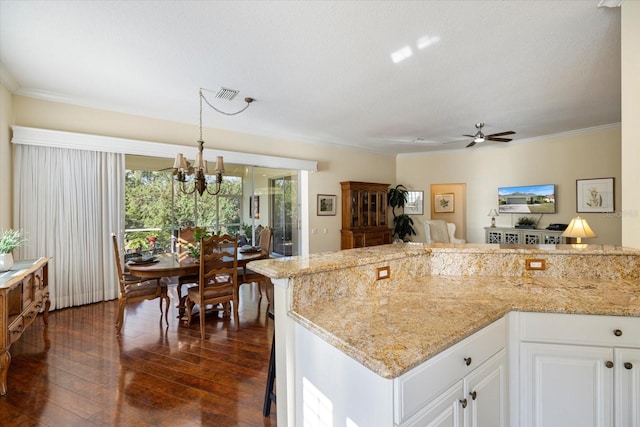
[579, 371]
[444, 411]
[522, 236]
[627, 391]
[478, 400]
[487, 393]
[567, 385]
[466, 385]
[334, 389]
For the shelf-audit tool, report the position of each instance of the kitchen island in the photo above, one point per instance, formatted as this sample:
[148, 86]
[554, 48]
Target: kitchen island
[432, 299]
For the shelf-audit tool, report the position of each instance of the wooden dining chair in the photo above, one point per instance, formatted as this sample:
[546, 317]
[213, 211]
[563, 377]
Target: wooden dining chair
[185, 238]
[136, 289]
[218, 278]
[250, 276]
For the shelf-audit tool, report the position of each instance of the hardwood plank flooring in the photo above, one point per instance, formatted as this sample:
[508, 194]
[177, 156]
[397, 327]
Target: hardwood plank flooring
[76, 372]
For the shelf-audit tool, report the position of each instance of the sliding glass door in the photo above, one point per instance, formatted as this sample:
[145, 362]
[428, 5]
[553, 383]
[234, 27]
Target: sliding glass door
[250, 198]
[284, 216]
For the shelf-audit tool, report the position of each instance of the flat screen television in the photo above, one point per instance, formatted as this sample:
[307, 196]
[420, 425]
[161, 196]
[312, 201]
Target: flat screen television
[527, 199]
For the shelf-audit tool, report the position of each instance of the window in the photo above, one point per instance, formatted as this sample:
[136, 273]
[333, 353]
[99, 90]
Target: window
[155, 209]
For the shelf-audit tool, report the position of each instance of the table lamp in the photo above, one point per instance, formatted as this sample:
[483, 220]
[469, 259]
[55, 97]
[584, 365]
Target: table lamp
[493, 214]
[578, 228]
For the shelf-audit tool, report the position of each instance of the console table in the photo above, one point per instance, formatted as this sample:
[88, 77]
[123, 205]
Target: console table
[23, 293]
[522, 236]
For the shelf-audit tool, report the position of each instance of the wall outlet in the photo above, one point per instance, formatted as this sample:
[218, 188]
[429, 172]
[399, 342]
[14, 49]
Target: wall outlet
[535, 264]
[383, 272]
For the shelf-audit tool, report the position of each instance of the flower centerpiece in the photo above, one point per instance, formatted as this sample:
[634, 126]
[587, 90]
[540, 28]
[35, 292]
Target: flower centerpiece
[194, 248]
[9, 240]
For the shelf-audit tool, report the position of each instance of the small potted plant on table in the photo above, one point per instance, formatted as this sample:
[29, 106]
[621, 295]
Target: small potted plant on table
[9, 240]
[526, 222]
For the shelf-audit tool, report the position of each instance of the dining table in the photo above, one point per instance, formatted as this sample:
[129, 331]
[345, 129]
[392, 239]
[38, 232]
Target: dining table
[171, 265]
[168, 265]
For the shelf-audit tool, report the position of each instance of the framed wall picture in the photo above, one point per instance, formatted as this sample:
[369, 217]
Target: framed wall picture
[595, 195]
[444, 203]
[415, 203]
[326, 204]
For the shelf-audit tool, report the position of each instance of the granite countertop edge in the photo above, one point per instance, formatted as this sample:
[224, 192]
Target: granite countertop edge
[390, 355]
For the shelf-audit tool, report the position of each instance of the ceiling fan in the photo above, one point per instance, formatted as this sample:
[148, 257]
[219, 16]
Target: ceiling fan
[481, 137]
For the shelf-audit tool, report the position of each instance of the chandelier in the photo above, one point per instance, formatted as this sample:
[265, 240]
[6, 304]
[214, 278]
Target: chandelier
[183, 170]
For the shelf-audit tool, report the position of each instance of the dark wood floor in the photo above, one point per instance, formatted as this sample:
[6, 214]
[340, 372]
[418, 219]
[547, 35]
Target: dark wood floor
[75, 372]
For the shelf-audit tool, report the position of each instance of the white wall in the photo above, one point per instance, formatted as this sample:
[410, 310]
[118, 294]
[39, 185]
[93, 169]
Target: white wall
[559, 161]
[631, 124]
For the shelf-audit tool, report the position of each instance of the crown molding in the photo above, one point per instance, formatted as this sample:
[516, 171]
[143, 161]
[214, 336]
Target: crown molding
[100, 143]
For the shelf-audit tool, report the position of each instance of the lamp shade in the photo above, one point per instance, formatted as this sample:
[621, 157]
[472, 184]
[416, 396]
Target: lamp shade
[177, 164]
[219, 165]
[493, 213]
[578, 228]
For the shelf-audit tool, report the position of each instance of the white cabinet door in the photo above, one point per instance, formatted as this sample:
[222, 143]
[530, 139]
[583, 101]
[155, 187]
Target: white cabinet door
[486, 389]
[478, 400]
[627, 394]
[447, 410]
[566, 386]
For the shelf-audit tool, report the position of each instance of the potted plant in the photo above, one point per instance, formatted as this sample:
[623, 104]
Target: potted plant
[402, 224]
[9, 240]
[526, 222]
[137, 244]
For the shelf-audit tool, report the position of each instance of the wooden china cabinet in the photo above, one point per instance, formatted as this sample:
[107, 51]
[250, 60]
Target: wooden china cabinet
[364, 215]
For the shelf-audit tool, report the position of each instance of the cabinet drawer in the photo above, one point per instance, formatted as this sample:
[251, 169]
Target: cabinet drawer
[374, 239]
[15, 330]
[422, 384]
[580, 329]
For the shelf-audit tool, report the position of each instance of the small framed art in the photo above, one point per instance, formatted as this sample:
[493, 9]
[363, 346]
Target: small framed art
[444, 203]
[595, 195]
[415, 203]
[326, 204]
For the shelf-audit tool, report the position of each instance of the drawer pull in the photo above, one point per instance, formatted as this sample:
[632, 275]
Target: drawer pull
[628, 365]
[464, 403]
[467, 361]
[617, 332]
[473, 395]
[608, 364]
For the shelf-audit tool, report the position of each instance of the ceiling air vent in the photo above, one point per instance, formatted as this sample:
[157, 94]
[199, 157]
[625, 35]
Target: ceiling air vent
[228, 94]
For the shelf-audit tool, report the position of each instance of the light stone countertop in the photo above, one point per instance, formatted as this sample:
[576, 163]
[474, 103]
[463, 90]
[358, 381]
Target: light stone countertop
[404, 324]
[279, 268]
[439, 294]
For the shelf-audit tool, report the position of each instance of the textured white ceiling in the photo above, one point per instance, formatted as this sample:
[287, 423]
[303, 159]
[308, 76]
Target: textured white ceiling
[321, 71]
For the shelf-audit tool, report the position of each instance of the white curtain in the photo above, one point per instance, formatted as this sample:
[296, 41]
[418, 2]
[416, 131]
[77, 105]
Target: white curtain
[69, 202]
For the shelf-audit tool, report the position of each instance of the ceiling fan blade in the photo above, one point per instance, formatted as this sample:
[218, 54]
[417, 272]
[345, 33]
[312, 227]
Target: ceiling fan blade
[509, 132]
[499, 139]
[471, 144]
[470, 136]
